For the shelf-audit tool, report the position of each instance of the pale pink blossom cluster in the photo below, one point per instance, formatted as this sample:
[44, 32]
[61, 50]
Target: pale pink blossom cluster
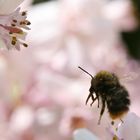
[42, 90]
[13, 26]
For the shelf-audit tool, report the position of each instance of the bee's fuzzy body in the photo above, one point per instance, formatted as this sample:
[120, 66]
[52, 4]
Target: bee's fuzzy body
[105, 86]
[116, 96]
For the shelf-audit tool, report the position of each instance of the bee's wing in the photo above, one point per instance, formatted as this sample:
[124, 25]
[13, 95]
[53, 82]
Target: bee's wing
[129, 77]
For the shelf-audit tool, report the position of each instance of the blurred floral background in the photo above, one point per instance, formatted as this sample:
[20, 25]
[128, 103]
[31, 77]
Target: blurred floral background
[42, 90]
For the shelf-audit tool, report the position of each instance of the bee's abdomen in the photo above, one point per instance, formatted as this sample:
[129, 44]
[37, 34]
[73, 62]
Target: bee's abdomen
[117, 101]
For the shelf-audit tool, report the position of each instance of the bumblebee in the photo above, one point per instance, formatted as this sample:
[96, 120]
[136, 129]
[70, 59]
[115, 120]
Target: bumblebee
[105, 87]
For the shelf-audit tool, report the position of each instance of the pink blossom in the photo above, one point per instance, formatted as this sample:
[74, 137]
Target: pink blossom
[74, 118]
[13, 28]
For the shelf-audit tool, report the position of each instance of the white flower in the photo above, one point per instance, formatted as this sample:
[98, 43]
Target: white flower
[130, 129]
[12, 27]
[84, 134]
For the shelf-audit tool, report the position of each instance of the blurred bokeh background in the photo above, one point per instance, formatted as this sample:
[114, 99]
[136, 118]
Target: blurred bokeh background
[42, 90]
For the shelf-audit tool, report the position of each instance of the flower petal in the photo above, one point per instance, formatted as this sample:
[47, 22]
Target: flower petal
[84, 134]
[8, 6]
[130, 129]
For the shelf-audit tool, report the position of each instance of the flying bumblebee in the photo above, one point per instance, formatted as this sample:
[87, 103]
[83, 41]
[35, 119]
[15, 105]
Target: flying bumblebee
[105, 86]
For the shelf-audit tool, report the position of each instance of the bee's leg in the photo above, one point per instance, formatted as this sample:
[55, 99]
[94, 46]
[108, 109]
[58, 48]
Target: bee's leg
[102, 110]
[90, 95]
[93, 99]
[98, 99]
[88, 98]
[91, 91]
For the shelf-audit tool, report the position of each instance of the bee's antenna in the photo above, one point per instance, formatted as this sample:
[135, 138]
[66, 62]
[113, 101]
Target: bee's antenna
[85, 72]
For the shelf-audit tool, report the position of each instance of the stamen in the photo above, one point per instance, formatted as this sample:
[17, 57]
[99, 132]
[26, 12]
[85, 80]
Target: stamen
[23, 13]
[14, 40]
[14, 20]
[115, 137]
[13, 25]
[21, 23]
[25, 45]
[27, 22]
